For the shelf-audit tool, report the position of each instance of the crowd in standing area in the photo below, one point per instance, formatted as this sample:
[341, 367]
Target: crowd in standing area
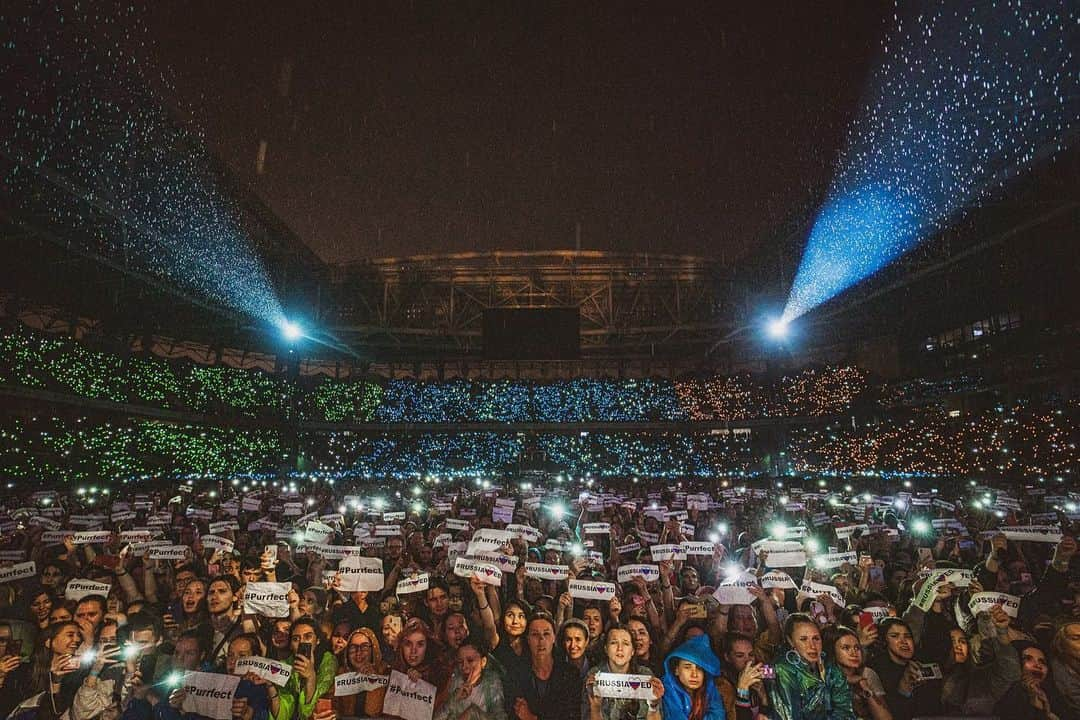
[635, 600]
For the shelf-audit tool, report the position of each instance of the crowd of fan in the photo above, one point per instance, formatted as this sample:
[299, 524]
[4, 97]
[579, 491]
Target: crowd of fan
[627, 601]
[1021, 440]
[34, 359]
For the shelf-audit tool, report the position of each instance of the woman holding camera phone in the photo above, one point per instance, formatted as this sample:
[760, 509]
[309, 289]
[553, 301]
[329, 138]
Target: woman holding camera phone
[314, 668]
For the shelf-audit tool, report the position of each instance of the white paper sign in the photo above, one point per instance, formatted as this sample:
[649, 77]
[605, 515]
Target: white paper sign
[209, 694]
[596, 528]
[456, 524]
[224, 525]
[782, 553]
[667, 552]
[592, 589]
[985, 600]
[843, 533]
[734, 591]
[168, 552]
[833, 560]
[813, 589]
[270, 670]
[1033, 533]
[695, 547]
[526, 532]
[617, 685]
[18, 572]
[544, 571]
[78, 588]
[387, 530]
[778, 579]
[361, 573]
[488, 540]
[630, 547]
[353, 683]
[269, 599]
[487, 572]
[91, 537]
[213, 542]
[407, 585]
[651, 573]
[408, 699]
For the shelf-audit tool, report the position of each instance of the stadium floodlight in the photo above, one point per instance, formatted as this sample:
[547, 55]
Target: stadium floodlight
[777, 328]
[291, 330]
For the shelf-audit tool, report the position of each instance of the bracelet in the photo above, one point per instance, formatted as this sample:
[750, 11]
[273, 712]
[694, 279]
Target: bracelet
[483, 608]
[743, 693]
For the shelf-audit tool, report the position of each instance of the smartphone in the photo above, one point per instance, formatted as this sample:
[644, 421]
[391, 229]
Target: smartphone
[768, 672]
[877, 574]
[304, 649]
[866, 620]
[698, 611]
[271, 552]
[324, 705]
[930, 671]
[15, 647]
[146, 668]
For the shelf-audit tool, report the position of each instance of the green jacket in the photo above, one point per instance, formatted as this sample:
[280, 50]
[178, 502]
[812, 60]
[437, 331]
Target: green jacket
[799, 693]
[293, 704]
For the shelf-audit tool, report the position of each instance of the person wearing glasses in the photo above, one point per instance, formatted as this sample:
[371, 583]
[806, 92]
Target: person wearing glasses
[362, 654]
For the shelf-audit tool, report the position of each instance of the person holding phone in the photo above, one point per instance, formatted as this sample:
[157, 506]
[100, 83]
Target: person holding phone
[55, 675]
[314, 668]
[14, 674]
[740, 680]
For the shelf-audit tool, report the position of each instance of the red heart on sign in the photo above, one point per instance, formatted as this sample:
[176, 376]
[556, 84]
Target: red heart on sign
[489, 571]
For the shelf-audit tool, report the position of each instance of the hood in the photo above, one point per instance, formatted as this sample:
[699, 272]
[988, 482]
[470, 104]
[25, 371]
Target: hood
[676, 701]
[699, 651]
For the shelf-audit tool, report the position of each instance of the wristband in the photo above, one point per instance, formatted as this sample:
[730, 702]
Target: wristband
[904, 694]
[743, 694]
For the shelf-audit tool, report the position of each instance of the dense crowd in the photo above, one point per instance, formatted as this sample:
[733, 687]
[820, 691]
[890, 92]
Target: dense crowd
[626, 601]
[1027, 440]
[34, 359]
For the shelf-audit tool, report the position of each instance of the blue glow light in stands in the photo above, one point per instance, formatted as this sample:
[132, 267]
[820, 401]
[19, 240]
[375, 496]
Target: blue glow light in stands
[968, 96]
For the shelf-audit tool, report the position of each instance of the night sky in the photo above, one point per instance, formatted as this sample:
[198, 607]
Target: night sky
[405, 128]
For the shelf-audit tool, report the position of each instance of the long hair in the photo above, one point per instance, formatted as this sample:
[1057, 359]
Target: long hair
[43, 654]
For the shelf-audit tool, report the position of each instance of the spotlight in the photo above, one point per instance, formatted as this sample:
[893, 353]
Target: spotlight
[777, 328]
[291, 330]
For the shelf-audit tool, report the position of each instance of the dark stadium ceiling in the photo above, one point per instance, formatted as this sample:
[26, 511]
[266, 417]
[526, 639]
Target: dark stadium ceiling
[384, 129]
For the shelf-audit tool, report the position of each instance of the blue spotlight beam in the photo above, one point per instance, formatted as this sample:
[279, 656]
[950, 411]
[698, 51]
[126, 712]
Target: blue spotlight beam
[968, 96]
[95, 151]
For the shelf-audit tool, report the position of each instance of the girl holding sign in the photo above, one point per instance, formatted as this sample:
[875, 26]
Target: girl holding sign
[620, 659]
[420, 656]
[362, 655]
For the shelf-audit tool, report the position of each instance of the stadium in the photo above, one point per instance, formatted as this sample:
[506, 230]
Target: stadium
[516, 325]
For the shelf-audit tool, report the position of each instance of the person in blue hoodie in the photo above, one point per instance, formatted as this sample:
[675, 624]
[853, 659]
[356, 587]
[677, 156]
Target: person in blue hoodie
[690, 673]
